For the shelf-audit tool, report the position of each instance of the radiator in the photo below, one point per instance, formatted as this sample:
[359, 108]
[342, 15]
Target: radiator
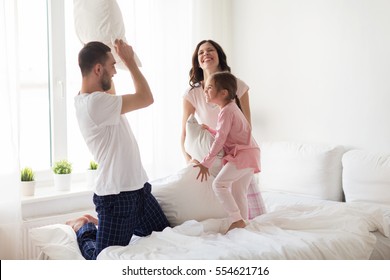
[31, 252]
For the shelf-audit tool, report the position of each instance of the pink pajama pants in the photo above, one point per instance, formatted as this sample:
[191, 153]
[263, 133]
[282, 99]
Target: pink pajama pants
[231, 186]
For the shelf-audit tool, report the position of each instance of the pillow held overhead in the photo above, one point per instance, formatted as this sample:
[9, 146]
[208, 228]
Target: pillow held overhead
[100, 20]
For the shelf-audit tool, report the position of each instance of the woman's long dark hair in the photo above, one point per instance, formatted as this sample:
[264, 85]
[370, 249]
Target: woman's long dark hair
[196, 73]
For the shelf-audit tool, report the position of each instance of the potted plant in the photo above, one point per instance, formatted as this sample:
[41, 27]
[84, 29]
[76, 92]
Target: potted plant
[27, 181]
[92, 173]
[62, 170]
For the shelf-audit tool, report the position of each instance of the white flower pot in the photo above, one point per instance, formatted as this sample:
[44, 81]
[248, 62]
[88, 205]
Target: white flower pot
[91, 177]
[27, 188]
[62, 182]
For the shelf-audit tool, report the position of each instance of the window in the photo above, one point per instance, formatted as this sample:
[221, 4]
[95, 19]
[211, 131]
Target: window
[34, 84]
[50, 78]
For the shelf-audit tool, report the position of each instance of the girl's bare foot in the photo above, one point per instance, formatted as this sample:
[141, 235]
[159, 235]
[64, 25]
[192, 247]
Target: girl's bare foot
[91, 219]
[77, 223]
[237, 224]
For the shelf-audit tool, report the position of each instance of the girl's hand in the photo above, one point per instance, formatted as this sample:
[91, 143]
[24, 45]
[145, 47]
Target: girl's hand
[203, 172]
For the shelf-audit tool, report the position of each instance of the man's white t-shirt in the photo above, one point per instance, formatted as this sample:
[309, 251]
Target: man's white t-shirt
[111, 141]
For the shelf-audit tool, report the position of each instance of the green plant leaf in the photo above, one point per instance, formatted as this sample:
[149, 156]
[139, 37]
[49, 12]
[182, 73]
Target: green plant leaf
[93, 165]
[27, 174]
[62, 167]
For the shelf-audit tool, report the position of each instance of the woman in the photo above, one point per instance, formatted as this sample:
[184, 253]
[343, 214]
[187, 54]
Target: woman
[207, 59]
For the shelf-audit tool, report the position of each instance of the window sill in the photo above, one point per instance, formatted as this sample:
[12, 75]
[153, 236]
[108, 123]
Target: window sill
[47, 201]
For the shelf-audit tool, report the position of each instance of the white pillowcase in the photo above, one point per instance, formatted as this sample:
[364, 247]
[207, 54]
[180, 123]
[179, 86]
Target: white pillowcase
[100, 20]
[366, 177]
[182, 197]
[58, 242]
[198, 143]
[312, 170]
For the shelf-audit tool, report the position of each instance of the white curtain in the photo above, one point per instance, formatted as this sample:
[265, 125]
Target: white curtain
[165, 34]
[10, 217]
[160, 32]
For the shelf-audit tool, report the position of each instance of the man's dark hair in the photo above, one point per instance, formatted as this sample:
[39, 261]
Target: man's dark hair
[91, 54]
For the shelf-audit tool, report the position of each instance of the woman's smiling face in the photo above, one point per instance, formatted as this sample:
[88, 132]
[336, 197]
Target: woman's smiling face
[208, 57]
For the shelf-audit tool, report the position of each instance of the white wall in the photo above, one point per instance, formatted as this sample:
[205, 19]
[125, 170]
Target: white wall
[319, 70]
[212, 20]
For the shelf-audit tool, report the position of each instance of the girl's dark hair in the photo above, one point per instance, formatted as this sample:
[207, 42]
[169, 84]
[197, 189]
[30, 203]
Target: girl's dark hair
[91, 54]
[226, 80]
[196, 73]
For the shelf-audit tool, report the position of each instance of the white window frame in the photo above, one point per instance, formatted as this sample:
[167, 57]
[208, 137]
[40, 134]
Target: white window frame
[57, 78]
[57, 88]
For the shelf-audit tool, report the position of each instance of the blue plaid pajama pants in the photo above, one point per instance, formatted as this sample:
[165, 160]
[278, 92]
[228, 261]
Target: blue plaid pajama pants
[120, 216]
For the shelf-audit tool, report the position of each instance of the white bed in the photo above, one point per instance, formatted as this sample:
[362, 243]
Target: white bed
[322, 203]
[295, 232]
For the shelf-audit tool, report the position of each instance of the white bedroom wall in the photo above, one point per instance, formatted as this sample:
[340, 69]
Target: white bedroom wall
[212, 20]
[318, 70]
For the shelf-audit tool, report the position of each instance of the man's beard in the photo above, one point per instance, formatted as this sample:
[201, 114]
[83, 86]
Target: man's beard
[106, 81]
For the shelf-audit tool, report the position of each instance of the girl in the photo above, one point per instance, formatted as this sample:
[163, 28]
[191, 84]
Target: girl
[242, 154]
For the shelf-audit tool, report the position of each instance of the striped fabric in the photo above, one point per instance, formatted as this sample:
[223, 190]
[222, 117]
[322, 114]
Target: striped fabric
[120, 216]
[256, 205]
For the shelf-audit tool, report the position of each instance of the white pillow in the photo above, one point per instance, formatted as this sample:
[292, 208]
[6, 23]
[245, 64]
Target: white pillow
[182, 197]
[366, 177]
[58, 242]
[198, 143]
[311, 170]
[100, 20]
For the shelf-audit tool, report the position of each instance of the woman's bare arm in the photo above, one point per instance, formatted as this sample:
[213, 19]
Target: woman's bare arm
[188, 109]
[244, 100]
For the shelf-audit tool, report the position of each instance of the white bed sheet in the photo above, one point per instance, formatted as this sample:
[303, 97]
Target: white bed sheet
[276, 200]
[300, 231]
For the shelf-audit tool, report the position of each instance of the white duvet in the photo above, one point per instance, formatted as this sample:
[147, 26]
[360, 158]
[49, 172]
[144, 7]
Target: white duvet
[337, 231]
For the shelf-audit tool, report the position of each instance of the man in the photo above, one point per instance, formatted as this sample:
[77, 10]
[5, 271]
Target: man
[122, 195]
